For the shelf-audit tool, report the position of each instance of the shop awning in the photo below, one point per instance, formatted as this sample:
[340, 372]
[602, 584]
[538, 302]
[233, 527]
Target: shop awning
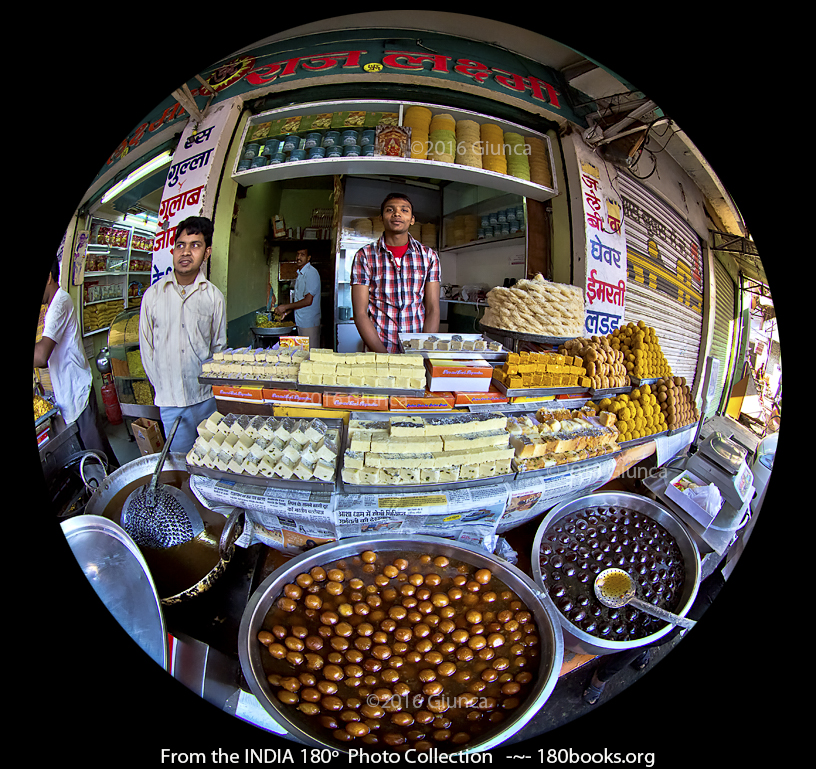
[744, 252]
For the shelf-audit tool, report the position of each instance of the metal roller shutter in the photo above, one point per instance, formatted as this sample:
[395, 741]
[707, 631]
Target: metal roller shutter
[664, 275]
[724, 324]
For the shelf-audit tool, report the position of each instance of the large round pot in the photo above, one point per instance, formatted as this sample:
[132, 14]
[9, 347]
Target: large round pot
[576, 639]
[261, 602]
[185, 571]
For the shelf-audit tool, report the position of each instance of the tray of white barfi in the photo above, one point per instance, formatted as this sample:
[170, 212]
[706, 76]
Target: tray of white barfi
[452, 346]
[260, 367]
[362, 372]
[425, 453]
[290, 453]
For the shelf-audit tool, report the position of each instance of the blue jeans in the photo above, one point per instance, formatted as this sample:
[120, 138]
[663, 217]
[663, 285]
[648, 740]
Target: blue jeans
[191, 417]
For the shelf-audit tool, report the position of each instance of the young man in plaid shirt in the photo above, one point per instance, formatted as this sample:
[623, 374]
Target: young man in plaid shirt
[395, 282]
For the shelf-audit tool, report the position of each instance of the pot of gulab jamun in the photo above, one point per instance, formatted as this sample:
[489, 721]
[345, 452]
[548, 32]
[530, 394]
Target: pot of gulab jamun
[578, 539]
[395, 643]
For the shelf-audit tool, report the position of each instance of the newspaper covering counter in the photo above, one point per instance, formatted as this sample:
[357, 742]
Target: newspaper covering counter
[295, 519]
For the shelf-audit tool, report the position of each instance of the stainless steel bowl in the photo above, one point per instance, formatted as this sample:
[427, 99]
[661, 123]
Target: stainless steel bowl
[262, 601]
[578, 640]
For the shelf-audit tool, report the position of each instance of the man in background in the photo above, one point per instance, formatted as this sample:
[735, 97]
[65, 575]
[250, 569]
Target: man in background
[305, 299]
[183, 323]
[61, 350]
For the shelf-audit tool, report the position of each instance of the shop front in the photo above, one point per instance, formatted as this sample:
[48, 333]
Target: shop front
[581, 307]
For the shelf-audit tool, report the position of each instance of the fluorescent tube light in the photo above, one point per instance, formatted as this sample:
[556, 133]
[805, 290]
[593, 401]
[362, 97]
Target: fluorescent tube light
[151, 167]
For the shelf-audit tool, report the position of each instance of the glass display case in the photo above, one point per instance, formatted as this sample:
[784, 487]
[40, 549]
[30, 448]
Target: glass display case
[118, 260]
[132, 386]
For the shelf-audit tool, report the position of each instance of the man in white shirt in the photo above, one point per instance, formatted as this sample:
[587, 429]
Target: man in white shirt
[305, 299]
[183, 323]
[60, 348]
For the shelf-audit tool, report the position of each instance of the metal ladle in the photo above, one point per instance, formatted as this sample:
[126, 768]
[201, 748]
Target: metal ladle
[615, 588]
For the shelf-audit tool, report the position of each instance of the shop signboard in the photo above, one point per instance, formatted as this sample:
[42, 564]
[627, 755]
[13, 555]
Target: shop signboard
[385, 56]
[190, 179]
[605, 262]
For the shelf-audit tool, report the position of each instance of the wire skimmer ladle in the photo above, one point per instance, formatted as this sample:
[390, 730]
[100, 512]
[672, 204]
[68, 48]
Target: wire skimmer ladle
[615, 588]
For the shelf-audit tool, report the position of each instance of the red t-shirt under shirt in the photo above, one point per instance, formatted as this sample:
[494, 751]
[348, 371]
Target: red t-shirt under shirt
[398, 251]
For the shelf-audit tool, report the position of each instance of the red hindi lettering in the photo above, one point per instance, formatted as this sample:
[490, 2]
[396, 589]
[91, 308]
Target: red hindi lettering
[509, 80]
[535, 88]
[416, 60]
[473, 69]
[265, 74]
[166, 117]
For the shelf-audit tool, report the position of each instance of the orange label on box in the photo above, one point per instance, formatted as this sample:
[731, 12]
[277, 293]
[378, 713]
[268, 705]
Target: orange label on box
[427, 402]
[452, 368]
[351, 401]
[238, 393]
[491, 396]
[293, 396]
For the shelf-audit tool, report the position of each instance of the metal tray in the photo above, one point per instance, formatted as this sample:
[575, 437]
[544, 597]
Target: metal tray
[521, 337]
[270, 384]
[607, 391]
[639, 441]
[418, 488]
[534, 392]
[260, 480]
[335, 423]
[555, 469]
[454, 354]
[386, 391]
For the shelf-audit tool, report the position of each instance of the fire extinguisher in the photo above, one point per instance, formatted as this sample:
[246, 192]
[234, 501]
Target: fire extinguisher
[110, 399]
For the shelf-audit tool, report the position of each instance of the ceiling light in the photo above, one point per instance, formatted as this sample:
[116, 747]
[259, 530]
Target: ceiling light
[156, 164]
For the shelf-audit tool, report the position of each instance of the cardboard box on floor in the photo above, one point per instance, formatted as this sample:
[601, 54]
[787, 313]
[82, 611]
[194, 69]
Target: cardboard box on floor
[147, 433]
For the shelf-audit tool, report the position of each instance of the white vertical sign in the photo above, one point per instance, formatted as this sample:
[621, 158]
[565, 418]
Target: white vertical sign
[605, 291]
[193, 178]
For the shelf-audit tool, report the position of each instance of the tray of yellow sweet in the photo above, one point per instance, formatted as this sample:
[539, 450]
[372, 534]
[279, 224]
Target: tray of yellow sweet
[540, 374]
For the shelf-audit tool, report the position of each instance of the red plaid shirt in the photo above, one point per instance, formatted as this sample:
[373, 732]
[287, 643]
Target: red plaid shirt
[396, 288]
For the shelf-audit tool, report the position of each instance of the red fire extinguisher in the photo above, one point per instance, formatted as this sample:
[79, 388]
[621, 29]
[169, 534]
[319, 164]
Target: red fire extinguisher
[112, 409]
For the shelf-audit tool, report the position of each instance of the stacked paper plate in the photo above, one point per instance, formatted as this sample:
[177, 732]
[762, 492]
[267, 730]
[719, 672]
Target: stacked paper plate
[518, 164]
[463, 229]
[428, 236]
[493, 158]
[418, 119]
[442, 138]
[468, 144]
[539, 163]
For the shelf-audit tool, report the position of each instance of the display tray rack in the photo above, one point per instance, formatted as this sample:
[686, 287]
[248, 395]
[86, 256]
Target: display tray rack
[413, 488]
[675, 430]
[261, 480]
[644, 439]
[419, 488]
[269, 384]
[488, 355]
[554, 469]
[522, 337]
[384, 391]
[605, 392]
[333, 423]
[639, 382]
[535, 392]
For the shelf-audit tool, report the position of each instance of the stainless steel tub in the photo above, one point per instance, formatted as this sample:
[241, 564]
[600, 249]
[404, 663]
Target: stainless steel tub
[541, 606]
[576, 639]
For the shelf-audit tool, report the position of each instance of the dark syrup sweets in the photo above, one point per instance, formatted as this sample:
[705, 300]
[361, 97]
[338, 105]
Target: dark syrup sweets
[582, 544]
